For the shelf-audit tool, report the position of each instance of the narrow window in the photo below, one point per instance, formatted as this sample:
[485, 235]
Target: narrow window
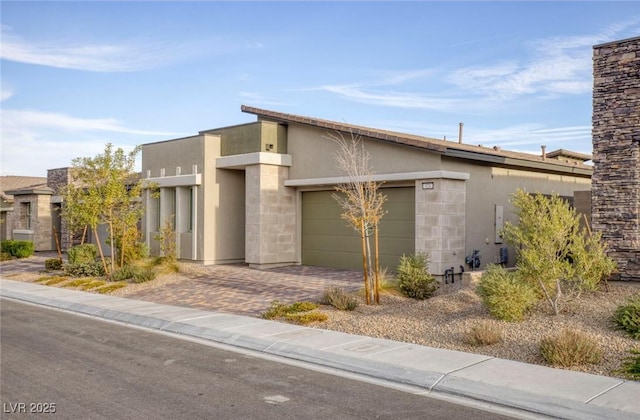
[27, 215]
[191, 209]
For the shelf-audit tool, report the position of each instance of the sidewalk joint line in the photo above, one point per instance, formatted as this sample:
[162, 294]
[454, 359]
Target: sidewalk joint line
[388, 350]
[604, 392]
[472, 364]
[432, 387]
[344, 344]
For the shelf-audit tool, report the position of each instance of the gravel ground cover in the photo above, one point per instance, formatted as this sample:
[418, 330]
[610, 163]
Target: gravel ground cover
[443, 320]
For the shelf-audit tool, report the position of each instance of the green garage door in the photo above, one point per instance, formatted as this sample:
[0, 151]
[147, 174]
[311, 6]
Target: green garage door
[328, 241]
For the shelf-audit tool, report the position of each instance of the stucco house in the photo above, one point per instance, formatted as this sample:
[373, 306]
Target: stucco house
[261, 193]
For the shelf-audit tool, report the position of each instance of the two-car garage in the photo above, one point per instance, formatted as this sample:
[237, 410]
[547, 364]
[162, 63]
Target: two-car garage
[328, 240]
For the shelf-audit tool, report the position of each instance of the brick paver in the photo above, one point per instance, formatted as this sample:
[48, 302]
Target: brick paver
[241, 290]
[233, 288]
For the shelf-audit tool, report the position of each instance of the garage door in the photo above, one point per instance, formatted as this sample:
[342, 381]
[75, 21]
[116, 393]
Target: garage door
[328, 241]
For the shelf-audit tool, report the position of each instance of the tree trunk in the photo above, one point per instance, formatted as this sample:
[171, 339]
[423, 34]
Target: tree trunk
[84, 235]
[370, 267]
[376, 291]
[104, 262]
[365, 264]
[112, 246]
[55, 235]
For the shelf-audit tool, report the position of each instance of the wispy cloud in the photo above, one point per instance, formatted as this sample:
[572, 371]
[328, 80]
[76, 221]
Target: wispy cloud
[5, 94]
[37, 119]
[90, 57]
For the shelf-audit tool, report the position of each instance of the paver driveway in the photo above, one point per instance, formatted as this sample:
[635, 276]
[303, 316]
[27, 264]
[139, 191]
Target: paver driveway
[238, 289]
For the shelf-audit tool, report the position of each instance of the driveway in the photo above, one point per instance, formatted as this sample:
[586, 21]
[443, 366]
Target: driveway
[232, 288]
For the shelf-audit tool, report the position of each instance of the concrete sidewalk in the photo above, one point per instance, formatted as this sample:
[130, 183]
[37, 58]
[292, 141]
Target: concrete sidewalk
[536, 390]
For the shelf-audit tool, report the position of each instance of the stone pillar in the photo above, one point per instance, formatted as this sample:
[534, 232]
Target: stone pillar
[616, 152]
[270, 230]
[440, 222]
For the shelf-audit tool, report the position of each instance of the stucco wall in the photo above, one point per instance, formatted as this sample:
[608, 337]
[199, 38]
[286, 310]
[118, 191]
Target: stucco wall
[616, 148]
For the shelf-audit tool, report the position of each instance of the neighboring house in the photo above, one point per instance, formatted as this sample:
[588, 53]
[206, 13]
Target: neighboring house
[25, 210]
[261, 193]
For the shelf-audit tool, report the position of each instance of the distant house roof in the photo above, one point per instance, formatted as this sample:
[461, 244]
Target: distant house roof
[494, 155]
[10, 184]
[569, 154]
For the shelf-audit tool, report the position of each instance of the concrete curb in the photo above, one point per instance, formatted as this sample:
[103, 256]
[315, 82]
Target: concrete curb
[534, 389]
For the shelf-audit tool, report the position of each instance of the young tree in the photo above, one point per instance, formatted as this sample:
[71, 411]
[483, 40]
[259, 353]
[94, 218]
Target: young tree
[104, 193]
[361, 202]
[554, 254]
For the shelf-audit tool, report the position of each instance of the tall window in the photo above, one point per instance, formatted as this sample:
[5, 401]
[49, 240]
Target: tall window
[191, 209]
[27, 215]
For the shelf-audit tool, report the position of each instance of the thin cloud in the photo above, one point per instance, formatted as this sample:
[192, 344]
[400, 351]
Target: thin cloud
[393, 99]
[89, 57]
[29, 120]
[5, 94]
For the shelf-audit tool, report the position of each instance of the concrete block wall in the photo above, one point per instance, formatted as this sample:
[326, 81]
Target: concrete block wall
[616, 152]
[440, 223]
[270, 219]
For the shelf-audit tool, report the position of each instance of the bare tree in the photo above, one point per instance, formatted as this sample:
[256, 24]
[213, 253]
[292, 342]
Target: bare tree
[361, 203]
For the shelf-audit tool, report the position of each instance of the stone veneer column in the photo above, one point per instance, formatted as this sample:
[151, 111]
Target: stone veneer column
[270, 230]
[440, 223]
[616, 152]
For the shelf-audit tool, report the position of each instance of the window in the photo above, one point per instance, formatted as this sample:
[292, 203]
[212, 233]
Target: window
[190, 209]
[27, 215]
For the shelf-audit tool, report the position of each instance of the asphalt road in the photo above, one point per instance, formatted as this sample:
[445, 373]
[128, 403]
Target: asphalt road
[85, 368]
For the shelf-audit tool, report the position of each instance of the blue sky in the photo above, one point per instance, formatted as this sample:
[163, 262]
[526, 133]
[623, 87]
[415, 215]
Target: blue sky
[76, 75]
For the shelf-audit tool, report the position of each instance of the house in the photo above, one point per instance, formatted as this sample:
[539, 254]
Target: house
[261, 193]
[25, 210]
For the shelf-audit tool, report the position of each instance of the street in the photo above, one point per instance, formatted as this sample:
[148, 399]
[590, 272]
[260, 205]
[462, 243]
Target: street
[60, 365]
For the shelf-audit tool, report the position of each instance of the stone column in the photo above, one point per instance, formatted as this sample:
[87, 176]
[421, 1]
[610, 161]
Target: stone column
[270, 231]
[616, 152]
[440, 222]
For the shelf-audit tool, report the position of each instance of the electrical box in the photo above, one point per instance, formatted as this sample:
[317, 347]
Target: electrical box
[499, 223]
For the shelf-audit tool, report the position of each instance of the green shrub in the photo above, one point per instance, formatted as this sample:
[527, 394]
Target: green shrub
[54, 280]
[505, 294]
[82, 254]
[414, 279]
[282, 310]
[483, 334]
[93, 269]
[53, 264]
[18, 249]
[631, 366]
[143, 274]
[92, 284]
[627, 317]
[339, 299]
[5, 256]
[125, 273]
[569, 348]
[305, 318]
[76, 283]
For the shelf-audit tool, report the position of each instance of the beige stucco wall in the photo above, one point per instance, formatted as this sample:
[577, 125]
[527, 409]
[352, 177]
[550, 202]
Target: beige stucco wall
[260, 136]
[489, 187]
[313, 155]
[219, 209]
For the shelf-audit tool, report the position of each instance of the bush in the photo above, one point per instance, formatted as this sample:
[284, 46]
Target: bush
[93, 269]
[570, 348]
[414, 279]
[339, 299]
[53, 264]
[82, 254]
[507, 296]
[134, 273]
[5, 256]
[305, 318]
[627, 317]
[282, 310]
[51, 281]
[631, 366]
[18, 249]
[483, 334]
[110, 287]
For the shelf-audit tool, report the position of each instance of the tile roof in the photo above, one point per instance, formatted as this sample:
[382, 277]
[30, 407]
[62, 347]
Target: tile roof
[16, 183]
[447, 148]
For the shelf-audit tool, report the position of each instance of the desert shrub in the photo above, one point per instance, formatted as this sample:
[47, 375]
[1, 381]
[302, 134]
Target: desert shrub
[483, 334]
[414, 279]
[630, 368]
[92, 269]
[282, 310]
[134, 274]
[110, 287]
[53, 264]
[5, 256]
[339, 299]
[627, 317]
[51, 281]
[570, 348]
[92, 284]
[505, 294]
[82, 254]
[304, 318]
[18, 249]
[76, 283]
